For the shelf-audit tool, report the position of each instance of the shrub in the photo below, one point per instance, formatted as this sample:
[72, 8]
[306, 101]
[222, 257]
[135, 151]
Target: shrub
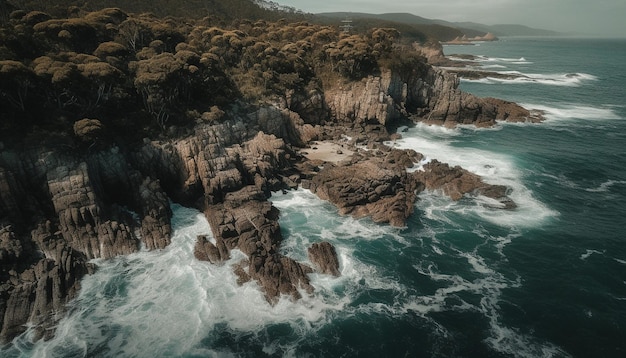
[88, 130]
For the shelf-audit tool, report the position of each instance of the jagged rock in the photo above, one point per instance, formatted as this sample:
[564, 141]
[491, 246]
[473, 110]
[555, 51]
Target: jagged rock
[429, 92]
[205, 250]
[240, 270]
[374, 186]
[284, 123]
[155, 224]
[61, 212]
[310, 107]
[442, 102]
[324, 258]
[250, 223]
[279, 275]
[367, 101]
[432, 51]
[10, 246]
[42, 288]
[83, 223]
[456, 182]
[60, 207]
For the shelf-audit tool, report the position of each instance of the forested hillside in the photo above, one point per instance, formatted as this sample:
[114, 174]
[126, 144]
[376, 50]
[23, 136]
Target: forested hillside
[224, 9]
[139, 74]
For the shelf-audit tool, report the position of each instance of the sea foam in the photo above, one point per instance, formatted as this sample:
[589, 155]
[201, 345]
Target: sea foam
[167, 303]
[436, 142]
[552, 79]
[568, 111]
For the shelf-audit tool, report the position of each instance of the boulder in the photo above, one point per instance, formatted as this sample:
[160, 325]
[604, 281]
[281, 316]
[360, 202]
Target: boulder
[457, 182]
[205, 250]
[324, 258]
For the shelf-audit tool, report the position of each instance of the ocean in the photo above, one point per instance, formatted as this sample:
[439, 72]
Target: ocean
[463, 279]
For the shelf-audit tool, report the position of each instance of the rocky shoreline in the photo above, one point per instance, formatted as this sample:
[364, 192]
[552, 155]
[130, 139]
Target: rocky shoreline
[468, 67]
[61, 207]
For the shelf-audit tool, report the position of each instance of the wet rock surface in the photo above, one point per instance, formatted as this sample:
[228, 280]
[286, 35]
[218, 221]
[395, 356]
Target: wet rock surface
[324, 258]
[457, 182]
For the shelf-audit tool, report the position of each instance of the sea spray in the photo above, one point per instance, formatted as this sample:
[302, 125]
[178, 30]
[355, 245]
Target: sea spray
[439, 143]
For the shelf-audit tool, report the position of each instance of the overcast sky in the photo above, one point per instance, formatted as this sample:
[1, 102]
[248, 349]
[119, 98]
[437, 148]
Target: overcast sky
[590, 17]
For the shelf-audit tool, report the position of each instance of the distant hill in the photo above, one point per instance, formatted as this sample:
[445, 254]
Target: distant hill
[521, 30]
[412, 27]
[470, 29]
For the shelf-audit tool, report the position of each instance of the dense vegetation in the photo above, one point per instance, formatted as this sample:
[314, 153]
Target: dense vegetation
[195, 9]
[143, 75]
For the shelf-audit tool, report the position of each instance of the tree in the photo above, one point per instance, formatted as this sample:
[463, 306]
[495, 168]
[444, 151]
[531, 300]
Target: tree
[76, 82]
[382, 40]
[88, 130]
[57, 77]
[135, 33]
[99, 80]
[352, 57]
[15, 82]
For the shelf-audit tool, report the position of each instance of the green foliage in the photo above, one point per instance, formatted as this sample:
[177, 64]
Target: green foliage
[352, 57]
[112, 65]
[88, 130]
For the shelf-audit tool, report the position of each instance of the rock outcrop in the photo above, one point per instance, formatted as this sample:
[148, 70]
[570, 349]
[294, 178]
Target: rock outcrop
[373, 185]
[59, 210]
[457, 182]
[229, 170]
[324, 258]
[426, 94]
[441, 102]
[375, 99]
[247, 221]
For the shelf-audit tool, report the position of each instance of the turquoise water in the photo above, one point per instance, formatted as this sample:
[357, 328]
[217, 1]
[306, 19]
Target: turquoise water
[547, 279]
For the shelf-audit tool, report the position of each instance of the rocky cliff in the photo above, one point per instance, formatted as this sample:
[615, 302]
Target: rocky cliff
[62, 205]
[426, 94]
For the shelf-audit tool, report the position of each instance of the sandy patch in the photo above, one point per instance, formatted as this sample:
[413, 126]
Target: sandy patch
[327, 152]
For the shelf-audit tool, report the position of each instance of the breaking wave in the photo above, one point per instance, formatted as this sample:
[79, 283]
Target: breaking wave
[437, 142]
[555, 79]
[559, 112]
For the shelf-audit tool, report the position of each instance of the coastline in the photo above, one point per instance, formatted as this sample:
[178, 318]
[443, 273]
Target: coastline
[528, 280]
[81, 195]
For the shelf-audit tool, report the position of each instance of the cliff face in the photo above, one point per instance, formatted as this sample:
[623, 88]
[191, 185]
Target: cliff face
[57, 212]
[377, 99]
[429, 94]
[62, 206]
